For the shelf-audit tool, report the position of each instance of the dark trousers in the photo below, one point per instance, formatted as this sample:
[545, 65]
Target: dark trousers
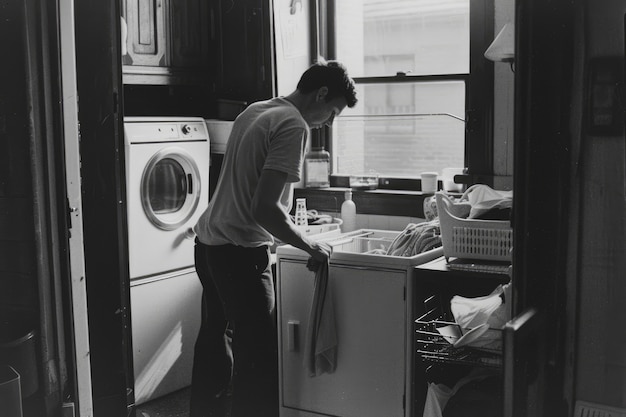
[237, 343]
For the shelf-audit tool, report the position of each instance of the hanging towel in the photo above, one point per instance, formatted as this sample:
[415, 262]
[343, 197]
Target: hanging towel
[320, 348]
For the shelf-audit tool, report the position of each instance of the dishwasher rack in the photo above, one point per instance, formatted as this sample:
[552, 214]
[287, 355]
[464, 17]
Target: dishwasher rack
[432, 346]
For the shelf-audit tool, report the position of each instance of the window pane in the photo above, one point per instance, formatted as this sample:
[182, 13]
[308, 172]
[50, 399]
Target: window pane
[402, 129]
[422, 37]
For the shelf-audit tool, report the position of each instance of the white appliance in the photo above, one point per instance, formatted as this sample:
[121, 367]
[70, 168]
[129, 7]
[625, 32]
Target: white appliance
[167, 177]
[219, 132]
[374, 315]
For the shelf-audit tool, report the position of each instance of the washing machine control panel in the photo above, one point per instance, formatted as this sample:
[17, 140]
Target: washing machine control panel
[193, 130]
[166, 131]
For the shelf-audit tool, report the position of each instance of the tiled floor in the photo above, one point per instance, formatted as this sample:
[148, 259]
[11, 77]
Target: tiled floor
[175, 404]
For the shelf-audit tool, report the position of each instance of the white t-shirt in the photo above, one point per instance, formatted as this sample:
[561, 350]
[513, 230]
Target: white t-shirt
[267, 135]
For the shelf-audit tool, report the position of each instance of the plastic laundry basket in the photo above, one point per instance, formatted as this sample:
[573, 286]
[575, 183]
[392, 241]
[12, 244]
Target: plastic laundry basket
[17, 350]
[10, 392]
[472, 238]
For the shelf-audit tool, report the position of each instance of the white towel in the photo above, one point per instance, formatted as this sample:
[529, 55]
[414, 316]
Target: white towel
[320, 349]
[490, 309]
[484, 198]
[438, 395]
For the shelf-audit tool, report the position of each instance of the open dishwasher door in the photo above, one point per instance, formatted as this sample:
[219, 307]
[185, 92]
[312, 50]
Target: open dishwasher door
[373, 319]
[524, 351]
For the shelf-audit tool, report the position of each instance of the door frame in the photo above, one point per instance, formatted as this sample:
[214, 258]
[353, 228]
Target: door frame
[71, 141]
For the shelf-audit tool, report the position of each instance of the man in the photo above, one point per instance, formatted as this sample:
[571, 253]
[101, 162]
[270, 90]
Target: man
[249, 208]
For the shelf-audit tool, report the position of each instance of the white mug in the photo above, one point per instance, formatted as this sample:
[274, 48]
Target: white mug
[429, 182]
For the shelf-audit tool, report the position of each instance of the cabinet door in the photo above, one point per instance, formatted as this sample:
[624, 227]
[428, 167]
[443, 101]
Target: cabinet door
[524, 352]
[189, 41]
[245, 61]
[370, 318]
[146, 32]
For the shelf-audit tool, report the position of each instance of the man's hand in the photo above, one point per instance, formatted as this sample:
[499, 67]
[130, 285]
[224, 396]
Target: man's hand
[320, 251]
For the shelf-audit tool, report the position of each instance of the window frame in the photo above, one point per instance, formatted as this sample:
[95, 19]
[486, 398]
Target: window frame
[479, 92]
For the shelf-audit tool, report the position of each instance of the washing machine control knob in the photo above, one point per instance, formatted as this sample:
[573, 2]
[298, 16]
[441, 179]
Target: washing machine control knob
[186, 129]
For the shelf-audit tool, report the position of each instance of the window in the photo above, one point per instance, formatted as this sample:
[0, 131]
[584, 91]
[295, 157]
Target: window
[424, 87]
[167, 186]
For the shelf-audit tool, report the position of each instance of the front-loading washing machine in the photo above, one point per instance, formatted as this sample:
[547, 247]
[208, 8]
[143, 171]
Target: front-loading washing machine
[167, 180]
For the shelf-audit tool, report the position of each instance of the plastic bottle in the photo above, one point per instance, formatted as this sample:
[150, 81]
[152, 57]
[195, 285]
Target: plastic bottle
[348, 213]
[317, 168]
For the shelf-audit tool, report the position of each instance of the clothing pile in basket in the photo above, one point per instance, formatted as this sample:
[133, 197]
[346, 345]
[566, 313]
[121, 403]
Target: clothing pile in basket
[483, 202]
[478, 202]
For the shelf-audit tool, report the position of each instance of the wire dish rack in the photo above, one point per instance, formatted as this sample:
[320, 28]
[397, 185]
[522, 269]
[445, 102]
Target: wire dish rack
[434, 347]
[490, 240]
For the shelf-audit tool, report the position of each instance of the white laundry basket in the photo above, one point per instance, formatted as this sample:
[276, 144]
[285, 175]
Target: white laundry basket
[490, 240]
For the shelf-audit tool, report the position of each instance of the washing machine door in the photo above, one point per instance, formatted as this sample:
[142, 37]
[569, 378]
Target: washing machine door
[170, 188]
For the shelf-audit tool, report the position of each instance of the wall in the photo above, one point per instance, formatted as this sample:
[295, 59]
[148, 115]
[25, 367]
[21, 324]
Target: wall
[503, 102]
[18, 280]
[293, 49]
[601, 356]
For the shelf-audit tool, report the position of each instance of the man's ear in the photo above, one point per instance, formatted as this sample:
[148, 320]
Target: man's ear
[321, 94]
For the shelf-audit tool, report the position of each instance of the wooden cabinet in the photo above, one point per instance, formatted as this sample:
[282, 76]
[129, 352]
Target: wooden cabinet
[373, 318]
[244, 50]
[167, 42]
[225, 45]
[189, 27]
[145, 41]
[372, 330]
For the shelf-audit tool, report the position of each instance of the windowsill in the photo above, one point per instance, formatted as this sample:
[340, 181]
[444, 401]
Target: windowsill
[385, 201]
[380, 202]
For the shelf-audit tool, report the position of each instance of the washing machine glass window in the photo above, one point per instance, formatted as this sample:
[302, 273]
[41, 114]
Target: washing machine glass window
[167, 187]
[170, 188]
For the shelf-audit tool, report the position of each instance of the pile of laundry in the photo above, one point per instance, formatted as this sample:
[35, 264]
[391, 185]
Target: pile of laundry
[483, 202]
[477, 202]
[416, 238]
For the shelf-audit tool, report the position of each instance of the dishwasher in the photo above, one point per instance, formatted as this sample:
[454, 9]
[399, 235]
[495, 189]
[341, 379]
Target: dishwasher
[373, 317]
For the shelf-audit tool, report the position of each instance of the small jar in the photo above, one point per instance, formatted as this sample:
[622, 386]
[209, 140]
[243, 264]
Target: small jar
[317, 168]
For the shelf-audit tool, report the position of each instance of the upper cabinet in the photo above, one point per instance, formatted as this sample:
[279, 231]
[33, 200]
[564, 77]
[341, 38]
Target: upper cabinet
[145, 33]
[189, 28]
[244, 50]
[166, 42]
[224, 46]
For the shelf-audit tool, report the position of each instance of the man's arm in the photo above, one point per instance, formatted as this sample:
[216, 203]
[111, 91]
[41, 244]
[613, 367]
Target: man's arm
[268, 211]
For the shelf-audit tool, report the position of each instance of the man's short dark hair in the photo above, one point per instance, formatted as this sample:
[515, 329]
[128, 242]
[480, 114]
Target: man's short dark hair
[330, 74]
